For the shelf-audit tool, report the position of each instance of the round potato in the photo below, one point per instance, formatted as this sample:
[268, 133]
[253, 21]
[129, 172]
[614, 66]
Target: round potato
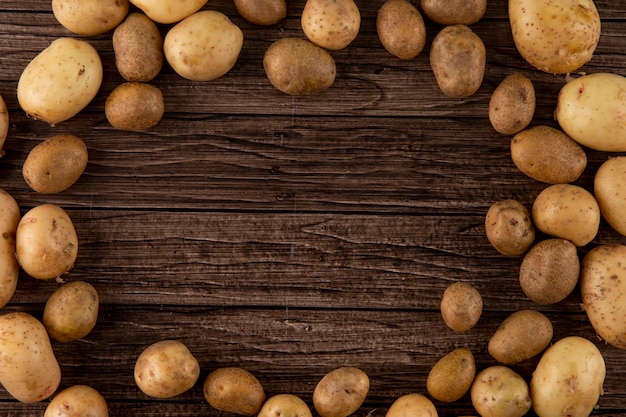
[341, 392]
[458, 58]
[55, 164]
[134, 106]
[512, 104]
[509, 227]
[521, 336]
[461, 306]
[90, 17]
[498, 391]
[331, 24]
[609, 190]
[9, 268]
[4, 124]
[168, 11]
[287, 405]
[401, 29]
[71, 311]
[138, 48]
[234, 390]
[299, 67]
[452, 376]
[77, 401]
[262, 12]
[413, 405]
[454, 12]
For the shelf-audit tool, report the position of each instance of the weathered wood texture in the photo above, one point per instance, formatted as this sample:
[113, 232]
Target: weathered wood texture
[292, 235]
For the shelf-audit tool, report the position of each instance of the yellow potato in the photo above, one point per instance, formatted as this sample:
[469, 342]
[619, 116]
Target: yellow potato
[401, 29]
[29, 371]
[331, 24]
[90, 17]
[461, 306]
[60, 81]
[4, 124]
[609, 187]
[134, 106]
[521, 336]
[285, 405]
[234, 390]
[71, 311]
[454, 12]
[512, 104]
[341, 392]
[452, 376]
[77, 401]
[138, 48]
[9, 268]
[509, 227]
[168, 11]
[499, 391]
[412, 405]
[262, 12]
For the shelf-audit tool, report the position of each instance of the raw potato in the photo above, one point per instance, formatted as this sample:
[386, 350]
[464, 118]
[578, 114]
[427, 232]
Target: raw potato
[509, 227]
[498, 391]
[567, 211]
[77, 401]
[9, 268]
[204, 46]
[603, 288]
[568, 379]
[46, 242]
[4, 124]
[550, 271]
[262, 12]
[454, 12]
[331, 24]
[71, 311]
[458, 58]
[521, 336]
[285, 405]
[60, 81]
[548, 155]
[590, 109]
[55, 164]
[234, 390]
[90, 17]
[609, 190]
[166, 369]
[452, 376]
[512, 104]
[299, 67]
[134, 106]
[412, 405]
[555, 36]
[401, 29]
[341, 392]
[138, 48]
[29, 371]
[461, 306]
[169, 11]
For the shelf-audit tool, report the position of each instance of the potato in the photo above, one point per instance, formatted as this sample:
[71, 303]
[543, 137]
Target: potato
[60, 81]
[55, 164]
[138, 48]
[168, 11]
[90, 17]
[512, 104]
[166, 369]
[567, 211]
[285, 405]
[555, 36]
[401, 29]
[549, 271]
[509, 227]
[29, 371]
[331, 24]
[234, 390]
[134, 106]
[521, 336]
[499, 391]
[452, 376]
[299, 67]
[262, 12]
[602, 286]
[4, 124]
[71, 311]
[454, 12]
[461, 306]
[590, 110]
[568, 379]
[46, 242]
[608, 186]
[9, 268]
[548, 155]
[412, 405]
[204, 46]
[458, 58]
[341, 392]
[77, 401]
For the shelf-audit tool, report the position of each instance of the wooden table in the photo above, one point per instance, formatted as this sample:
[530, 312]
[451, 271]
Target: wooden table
[293, 235]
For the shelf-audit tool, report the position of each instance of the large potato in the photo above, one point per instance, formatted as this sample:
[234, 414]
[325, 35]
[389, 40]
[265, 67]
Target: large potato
[71, 311]
[4, 124]
[454, 12]
[452, 376]
[401, 29]
[512, 104]
[521, 336]
[29, 371]
[134, 106]
[234, 390]
[285, 405]
[60, 81]
[499, 391]
[138, 47]
[568, 379]
[331, 24]
[555, 36]
[509, 227]
[169, 11]
[609, 189]
[90, 17]
[9, 268]
[412, 405]
[77, 401]
[262, 12]
[341, 392]
[461, 306]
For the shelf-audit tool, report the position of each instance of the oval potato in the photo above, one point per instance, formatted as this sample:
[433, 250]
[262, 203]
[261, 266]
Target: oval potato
[509, 227]
[452, 376]
[9, 267]
[169, 11]
[401, 29]
[285, 405]
[71, 311]
[454, 12]
[341, 392]
[331, 24]
[521, 336]
[413, 405]
[609, 190]
[138, 48]
[90, 17]
[262, 12]
[234, 390]
[512, 104]
[461, 306]
[77, 401]
[499, 391]
[134, 106]
[4, 124]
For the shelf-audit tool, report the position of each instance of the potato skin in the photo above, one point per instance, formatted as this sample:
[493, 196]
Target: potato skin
[499, 391]
[509, 227]
[262, 12]
[138, 48]
[4, 124]
[341, 392]
[77, 401]
[134, 106]
[401, 29]
[331, 24]
[454, 12]
[9, 267]
[90, 17]
[512, 104]
[169, 11]
[285, 405]
[234, 390]
[412, 405]
[609, 182]
[452, 376]
[521, 336]
[461, 306]
[71, 311]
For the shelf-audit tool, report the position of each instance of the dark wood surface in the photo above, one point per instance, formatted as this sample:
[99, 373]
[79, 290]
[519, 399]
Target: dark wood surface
[293, 235]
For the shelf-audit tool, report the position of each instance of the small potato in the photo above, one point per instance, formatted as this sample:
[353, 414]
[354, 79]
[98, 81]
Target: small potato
[512, 104]
[509, 227]
[461, 306]
[134, 106]
[458, 58]
[166, 369]
[55, 164]
[285, 405]
[46, 242]
[401, 29]
[341, 392]
[89, 17]
[412, 405]
[550, 271]
[77, 401]
[331, 24]
[138, 48]
[71, 311]
[609, 189]
[454, 12]
[4, 124]
[234, 390]
[521, 336]
[567, 211]
[299, 67]
[452, 376]
[498, 391]
[168, 11]
[9, 268]
[262, 12]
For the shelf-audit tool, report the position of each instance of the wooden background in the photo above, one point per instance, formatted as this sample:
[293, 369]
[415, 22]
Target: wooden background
[293, 235]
